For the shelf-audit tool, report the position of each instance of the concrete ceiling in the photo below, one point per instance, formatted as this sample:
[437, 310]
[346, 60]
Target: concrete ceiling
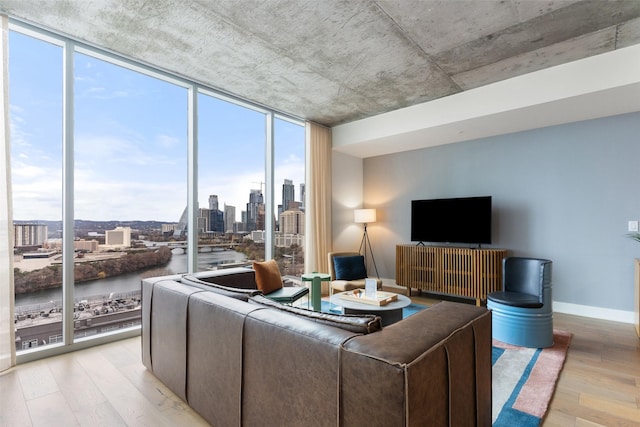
[336, 61]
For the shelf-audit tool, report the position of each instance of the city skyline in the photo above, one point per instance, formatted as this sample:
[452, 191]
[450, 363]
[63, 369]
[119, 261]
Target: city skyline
[130, 142]
[220, 203]
[288, 195]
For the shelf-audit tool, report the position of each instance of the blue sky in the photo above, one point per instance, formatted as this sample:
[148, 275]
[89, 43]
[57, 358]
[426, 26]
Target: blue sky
[130, 154]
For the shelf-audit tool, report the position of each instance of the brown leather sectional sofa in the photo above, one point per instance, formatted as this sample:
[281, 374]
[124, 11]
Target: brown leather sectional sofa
[240, 361]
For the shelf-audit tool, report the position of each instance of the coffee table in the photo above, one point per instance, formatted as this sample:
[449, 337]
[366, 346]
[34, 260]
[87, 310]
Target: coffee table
[390, 313]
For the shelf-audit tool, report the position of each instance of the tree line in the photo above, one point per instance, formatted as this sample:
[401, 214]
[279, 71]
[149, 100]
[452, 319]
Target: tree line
[290, 259]
[51, 276]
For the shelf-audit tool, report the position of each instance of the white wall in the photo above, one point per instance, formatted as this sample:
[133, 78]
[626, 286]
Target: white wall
[564, 192]
[347, 175]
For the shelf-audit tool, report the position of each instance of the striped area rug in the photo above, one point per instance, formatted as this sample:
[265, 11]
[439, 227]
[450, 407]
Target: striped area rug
[524, 380]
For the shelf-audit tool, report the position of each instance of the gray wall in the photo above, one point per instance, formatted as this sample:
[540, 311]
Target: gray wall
[565, 193]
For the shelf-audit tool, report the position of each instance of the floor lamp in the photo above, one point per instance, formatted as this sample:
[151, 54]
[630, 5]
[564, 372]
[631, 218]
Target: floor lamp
[366, 216]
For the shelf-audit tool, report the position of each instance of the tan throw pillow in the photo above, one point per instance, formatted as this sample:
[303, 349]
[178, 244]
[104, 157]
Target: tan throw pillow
[267, 276]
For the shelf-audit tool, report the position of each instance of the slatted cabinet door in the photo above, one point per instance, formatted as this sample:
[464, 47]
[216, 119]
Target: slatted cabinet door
[468, 273]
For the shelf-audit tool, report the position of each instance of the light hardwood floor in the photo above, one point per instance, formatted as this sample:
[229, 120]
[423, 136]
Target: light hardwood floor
[108, 386]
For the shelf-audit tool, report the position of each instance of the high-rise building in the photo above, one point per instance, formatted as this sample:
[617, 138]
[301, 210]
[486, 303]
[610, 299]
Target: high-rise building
[216, 216]
[260, 221]
[280, 210]
[229, 218]
[292, 222]
[29, 234]
[213, 202]
[255, 207]
[303, 194]
[120, 237]
[288, 194]
[203, 220]
[216, 221]
[168, 228]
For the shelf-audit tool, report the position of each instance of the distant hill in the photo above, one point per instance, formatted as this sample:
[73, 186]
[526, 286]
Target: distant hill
[86, 225]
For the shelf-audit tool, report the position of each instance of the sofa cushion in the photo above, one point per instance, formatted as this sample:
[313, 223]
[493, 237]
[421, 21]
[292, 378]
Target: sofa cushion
[235, 277]
[237, 293]
[363, 324]
[267, 276]
[349, 267]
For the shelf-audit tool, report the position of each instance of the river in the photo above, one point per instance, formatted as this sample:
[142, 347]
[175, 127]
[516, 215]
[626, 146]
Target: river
[130, 281]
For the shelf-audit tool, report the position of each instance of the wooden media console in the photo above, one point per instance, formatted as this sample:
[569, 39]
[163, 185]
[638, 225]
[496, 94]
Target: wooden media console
[463, 272]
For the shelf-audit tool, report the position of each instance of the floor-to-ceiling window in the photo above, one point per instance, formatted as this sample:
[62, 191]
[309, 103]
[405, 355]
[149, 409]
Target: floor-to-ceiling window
[35, 70]
[289, 194]
[130, 180]
[123, 172]
[231, 183]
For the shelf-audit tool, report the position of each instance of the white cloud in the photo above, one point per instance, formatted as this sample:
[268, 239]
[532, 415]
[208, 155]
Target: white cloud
[15, 109]
[95, 90]
[36, 192]
[118, 152]
[129, 200]
[167, 141]
[23, 172]
[19, 137]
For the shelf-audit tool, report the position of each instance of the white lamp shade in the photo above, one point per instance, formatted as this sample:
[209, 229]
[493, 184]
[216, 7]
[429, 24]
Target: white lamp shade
[364, 216]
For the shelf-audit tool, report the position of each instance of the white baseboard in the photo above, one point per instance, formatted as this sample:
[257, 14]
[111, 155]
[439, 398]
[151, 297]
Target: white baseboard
[594, 312]
[568, 308]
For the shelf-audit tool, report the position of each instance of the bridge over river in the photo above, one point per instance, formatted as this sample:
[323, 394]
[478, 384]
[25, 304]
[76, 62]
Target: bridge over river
[179, 248]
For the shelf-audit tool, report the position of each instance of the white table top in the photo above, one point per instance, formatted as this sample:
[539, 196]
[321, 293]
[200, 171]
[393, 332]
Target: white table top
[401, 302]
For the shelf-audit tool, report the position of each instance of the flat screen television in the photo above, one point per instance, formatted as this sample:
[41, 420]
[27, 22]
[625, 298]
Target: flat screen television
[457, 220]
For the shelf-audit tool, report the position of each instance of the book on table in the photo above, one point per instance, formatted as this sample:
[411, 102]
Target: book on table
[380, 298]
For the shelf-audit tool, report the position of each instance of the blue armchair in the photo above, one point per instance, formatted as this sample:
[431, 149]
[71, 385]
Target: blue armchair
[522, 311]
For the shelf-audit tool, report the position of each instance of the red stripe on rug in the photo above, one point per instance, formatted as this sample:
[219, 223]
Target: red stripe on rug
[536, 394]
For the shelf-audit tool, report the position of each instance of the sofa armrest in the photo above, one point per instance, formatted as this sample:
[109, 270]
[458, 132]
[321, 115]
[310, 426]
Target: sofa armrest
[441, 355]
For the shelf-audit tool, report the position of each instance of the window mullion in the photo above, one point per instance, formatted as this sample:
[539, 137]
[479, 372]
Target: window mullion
[68, 193]
[269, 189]
[192, 180]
